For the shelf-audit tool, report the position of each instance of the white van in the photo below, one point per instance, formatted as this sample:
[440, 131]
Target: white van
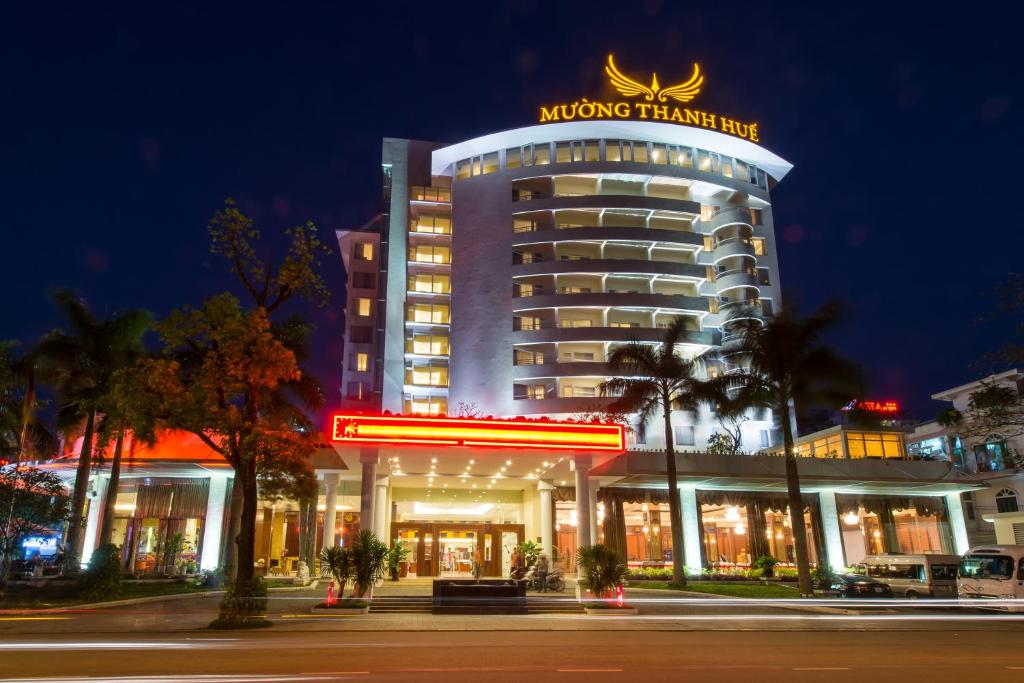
[913, 576]
[993, 572]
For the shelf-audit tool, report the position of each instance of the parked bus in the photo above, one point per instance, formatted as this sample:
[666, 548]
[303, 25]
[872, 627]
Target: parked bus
[993, 572]
[913, 576]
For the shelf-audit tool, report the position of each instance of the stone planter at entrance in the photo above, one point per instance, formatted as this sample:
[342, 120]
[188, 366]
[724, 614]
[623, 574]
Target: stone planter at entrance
[342, 608]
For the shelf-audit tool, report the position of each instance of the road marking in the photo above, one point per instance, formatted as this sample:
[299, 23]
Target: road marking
[33, 618]
[335, 673]
[588, 671]
[821, 668]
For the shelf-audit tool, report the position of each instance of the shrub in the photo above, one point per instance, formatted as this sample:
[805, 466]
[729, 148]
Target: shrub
[338, 561]
[369, 561]
[603, 569]
[102, 580]
[766, 563]
[396, 556]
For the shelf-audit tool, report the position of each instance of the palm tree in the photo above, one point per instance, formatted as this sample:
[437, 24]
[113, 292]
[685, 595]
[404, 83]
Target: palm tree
[783, 363]
[129, 409]
[656, 379]
[83, 359]
[22, 432]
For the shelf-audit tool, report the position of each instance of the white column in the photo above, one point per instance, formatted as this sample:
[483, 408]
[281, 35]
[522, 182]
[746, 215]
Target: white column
[546, 523]
[330, 509]
[581, 465]
[832, 532]
[595, 535]
[380, 510]
[957, 525]
[368, 458]
[214, 523]
[691, 529]
[92, 521]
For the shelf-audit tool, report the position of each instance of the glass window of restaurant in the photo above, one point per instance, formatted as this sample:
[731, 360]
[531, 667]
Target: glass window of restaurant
[648, 534]
[162, 532]
[876, 525]
[738, 529]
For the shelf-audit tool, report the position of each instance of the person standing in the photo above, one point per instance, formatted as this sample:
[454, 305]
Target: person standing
[542, 573]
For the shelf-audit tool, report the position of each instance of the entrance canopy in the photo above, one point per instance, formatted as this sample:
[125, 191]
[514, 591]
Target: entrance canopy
[519, 434]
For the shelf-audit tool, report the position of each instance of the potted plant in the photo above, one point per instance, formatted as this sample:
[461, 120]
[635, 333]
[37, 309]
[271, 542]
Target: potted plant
[397, 564]
[340, 562]
[602, 571]
[369, 562]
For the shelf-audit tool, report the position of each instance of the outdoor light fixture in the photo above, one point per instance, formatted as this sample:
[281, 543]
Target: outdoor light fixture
[851, 518]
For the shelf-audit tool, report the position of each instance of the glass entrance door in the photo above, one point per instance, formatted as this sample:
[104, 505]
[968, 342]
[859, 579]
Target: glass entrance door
[458, 552]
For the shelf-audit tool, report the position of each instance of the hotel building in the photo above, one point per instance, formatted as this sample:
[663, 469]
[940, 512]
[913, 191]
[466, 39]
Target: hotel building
[500, 276]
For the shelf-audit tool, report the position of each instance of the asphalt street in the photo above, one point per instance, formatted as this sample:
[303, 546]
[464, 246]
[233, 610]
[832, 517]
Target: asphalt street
[673, 639]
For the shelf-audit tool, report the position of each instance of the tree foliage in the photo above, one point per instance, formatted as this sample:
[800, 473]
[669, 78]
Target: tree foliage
[602, 569]
[32, 501]
[993, 411]
[782, 363]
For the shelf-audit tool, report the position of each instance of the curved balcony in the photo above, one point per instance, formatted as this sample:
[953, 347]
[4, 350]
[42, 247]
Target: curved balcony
[707, 337]
[729, 215]
[732, 279]
[736, 246]
[611, 201]
[697, 304]
[560, 404]
[617, 266]
[620, 234]
[557, 369]
[735, 311]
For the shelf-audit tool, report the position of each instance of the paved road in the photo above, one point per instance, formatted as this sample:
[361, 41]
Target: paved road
[949, 655]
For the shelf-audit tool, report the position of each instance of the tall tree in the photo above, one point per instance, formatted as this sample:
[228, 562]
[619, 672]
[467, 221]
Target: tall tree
[219, 380]
[655, 380]
[22, 432]
[82, 359]
[270, 286]
[130, 411]
[783, 363]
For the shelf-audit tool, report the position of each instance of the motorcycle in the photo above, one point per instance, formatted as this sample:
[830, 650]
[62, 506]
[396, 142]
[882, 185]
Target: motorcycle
[555, 582]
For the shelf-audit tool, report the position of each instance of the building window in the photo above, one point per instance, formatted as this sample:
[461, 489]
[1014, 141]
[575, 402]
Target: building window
[425, 253]
[490, 162]
[360, 334]
[426, 405]
[874, 445]
[436, 224]
[462, 169]
[356, 391]
[428, 313]
[684, 436]
[542, 154]
[427, 344]
[430, 284]
[364, 280]
[513, 157]
[364, 251]
[640, 430]
[362, 362]
[758, 247]
[968, 501]
[640, 152]
[563, 152]
[766, 438]
[363, 306]
[1006, 501]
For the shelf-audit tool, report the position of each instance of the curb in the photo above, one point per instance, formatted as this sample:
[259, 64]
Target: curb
[149, 599]
[820, 609]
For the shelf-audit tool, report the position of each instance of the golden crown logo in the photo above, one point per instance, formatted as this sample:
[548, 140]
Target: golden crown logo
[683, 92]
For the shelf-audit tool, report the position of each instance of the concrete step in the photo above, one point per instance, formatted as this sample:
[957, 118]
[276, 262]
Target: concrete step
[392, 604]
[553, 606]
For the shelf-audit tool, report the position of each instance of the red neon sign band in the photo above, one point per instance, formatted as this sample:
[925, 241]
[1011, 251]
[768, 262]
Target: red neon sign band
[405, 429]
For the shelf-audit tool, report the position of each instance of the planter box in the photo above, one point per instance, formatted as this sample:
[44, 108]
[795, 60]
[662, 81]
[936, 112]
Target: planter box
[486, 596]
[340, 611]
[611, 611]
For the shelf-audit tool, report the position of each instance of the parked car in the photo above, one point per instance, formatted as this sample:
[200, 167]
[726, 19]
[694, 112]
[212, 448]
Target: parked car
[913, 576]
[857, 586]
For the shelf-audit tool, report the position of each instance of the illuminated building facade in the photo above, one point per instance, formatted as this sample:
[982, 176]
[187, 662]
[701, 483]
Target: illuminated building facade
[492, 289]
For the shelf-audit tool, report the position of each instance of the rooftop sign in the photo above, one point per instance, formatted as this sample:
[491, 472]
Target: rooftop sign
[438, 431]
[652, 103]
[885, 407]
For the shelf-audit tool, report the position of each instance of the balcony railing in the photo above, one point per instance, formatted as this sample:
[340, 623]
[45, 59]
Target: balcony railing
[420, 193]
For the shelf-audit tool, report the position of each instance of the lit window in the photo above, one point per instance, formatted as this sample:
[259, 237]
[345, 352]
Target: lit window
[562, 152]
[362, 307]
[684, 436]
[362, 362]
[512, 157]
[364, 251]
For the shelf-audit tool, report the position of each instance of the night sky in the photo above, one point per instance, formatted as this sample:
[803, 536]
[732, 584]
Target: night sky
[124, 129]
